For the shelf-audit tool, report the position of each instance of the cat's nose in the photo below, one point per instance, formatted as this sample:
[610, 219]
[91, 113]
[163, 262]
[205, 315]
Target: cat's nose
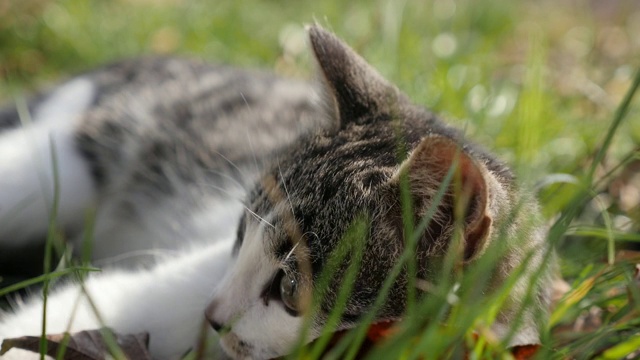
[216, 325]
[210, 315]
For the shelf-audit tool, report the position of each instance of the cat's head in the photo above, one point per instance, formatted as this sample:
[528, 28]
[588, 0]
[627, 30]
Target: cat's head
[344, 185]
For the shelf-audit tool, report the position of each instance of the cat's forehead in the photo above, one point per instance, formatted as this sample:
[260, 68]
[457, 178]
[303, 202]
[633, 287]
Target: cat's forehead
[349, 162]
[272, 210]
[315, 191]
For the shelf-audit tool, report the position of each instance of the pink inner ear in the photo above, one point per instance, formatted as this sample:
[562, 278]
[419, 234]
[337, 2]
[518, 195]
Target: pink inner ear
[473, 187]
[477, 221]
[475, 236]
[431, 161]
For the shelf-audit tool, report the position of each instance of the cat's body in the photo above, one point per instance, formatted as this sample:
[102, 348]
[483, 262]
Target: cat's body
[157, 145]
[165, 150]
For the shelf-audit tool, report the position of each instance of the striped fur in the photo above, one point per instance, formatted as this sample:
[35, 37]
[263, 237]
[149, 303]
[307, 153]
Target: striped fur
[167, 149]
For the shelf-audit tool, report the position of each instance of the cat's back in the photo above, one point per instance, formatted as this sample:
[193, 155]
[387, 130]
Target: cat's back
[158, 145]
[146, 108]
[189, 115]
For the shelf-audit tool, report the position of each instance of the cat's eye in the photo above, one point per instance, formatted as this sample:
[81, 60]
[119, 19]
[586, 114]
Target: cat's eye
[239, 235]
[289, 293]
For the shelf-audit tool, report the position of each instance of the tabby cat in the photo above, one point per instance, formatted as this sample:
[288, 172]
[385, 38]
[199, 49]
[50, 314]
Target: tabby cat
[256, 182]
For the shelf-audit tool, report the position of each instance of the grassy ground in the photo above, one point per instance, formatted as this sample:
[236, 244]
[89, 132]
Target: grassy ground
[537, 81]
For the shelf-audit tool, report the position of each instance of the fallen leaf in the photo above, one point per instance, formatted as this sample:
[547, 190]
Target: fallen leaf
[524, 352]
[379, 332]
[83, 345]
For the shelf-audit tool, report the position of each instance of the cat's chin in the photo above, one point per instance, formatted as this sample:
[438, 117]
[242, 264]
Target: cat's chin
[237, 348]
[234, 347]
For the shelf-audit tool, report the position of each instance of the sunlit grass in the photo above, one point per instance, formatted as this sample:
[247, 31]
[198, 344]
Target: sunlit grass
[539, 82]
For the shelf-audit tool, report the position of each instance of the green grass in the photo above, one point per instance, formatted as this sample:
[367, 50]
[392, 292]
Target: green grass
[545, 84]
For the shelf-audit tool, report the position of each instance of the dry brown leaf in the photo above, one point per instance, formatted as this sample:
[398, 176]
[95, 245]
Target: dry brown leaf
[84, 345]
[379, 332]
[524, 352]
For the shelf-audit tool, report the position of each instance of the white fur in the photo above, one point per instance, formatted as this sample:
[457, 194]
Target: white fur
[27, 170]
[167, 301]
[267, 330]
[155, 230]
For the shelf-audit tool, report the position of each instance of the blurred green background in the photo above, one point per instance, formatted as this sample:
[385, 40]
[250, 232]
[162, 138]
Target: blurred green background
[538, 81]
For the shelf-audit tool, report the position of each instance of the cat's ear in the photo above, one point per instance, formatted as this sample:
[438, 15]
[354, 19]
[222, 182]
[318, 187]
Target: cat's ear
[354, 90]
[467, 196]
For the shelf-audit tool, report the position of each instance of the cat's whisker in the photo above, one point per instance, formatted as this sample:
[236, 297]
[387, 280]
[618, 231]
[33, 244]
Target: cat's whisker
[227, 176]
[284, 185]
[155, 254]
[239, 197]
[312, 233]
[253, 152]
[258, 217]
[231, 163]
[291, 252]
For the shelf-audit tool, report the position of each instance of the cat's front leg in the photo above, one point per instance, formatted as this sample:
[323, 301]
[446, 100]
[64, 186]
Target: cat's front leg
[167, 301]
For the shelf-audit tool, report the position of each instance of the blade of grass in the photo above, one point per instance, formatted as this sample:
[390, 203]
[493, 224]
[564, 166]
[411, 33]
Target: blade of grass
[345, 247]
[572, 298]
[559, 228]
[355, 338]
[621, 350]
[596, 232]
[42, 278]
[620, 114]
[51, 236]
[356, 238]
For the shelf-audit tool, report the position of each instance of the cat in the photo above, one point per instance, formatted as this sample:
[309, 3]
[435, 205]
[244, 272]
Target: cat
[165, 150]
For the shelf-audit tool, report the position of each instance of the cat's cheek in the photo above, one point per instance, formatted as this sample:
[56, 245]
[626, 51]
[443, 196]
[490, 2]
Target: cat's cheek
[264, 332]
[234, 347]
